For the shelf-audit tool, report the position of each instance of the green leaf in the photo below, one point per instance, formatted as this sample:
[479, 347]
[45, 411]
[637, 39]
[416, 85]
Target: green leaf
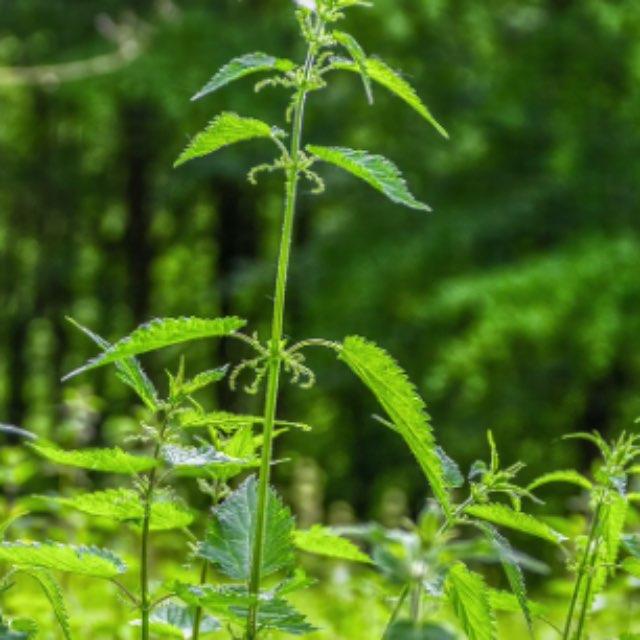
[107, 460]
[632, 566]
[614, 514]
[469, 597]
[125, 505]
[202, 380]
[359, 58]
[53, 593]
[88, 561]
[217, 599]
[504, 516]
[408, 630]
[129, 370]
[278, 614]
[225, 129]
[20, 629]
[322, 541]
[383, 74]
[176, 621]
[379, 172]
[505, 601]
[204, 461]
[160, 333]
[229, 540]
[399, 398]
[229, 421]
[242, 66]
[568, 476]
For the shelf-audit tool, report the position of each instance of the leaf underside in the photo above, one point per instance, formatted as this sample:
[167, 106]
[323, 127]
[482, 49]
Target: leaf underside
[204, 462]
[399, 398]
[225, 129]
[160, 333]
[376, 170]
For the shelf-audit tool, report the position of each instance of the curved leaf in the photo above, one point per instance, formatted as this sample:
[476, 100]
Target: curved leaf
[504, 516]
[359, 58]
[568, 476]
[399, 398]
[160, 333]
[379, 172]
[383, 74]
[323, 542]
[242, 66]
[53, 593]
[88, 561]
[227, 128]
[469, 597]
[107, 460]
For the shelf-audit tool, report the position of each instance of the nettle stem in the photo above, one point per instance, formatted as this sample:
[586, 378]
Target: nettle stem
[277, 326]
[197, 617]
[587, 564]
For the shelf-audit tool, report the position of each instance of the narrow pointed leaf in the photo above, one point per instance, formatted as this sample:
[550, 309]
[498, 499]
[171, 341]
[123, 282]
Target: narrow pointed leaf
[203, 379]
[383, 74]
[229, 540]
[399, 398]
[229, 421]
[323, 542]
[469, 598]
[242, 66]
[113, 460]
[160, 333]
[379, 172]
[53, 593]
[89, 561]
[568, 476]
[227, 128]
[359, 58]
[504, 516]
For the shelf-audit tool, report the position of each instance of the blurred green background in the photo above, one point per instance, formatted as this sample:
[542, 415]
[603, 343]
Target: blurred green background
[514, 306]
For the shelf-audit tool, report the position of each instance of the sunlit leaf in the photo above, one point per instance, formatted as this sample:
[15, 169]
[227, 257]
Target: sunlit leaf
[359, 58]
[568, 476]
[323, 542]
[204, 461]
[53, 593]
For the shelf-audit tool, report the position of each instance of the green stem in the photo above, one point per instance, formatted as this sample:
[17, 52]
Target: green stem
[197, 618]
[275, 362]
[396, 610]
[586, 559]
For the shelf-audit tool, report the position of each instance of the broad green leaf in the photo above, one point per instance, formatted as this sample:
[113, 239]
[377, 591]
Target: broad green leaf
[204, 461]
[504, 516]
[278, 614]
[129, 370]
[242, 66]
[383, 74]
[53, 593]
[225, 129]
[217, 599]
[108, 460]
[229, 540]
[89, 561]
[399, 398]
[323, 542]
[568, 476]
[359, 58]
[125, 505]
[469, 598]
[409, 630]
[160, 333]
[173, 620]
[379, 172]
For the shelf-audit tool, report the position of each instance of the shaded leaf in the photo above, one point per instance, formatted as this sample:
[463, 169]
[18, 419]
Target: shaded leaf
[89, 561]
[174, 620]
[359, 58]
[160, 333]
[242, 66]
[379, 172]
[399, 398]
[204, 461]
[407, 630]
[322, 541]
[225, 129]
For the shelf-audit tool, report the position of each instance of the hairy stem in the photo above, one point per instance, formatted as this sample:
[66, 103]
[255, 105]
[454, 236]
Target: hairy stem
[197, 618]
[582, 569]
[275, 361]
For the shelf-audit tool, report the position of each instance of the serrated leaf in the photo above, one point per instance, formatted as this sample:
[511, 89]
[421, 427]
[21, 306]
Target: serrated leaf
[614, 514]
[113, 460]
[383, 74]
[204, 462]
[225, 129]
[229, 421]
[469, 598]
[229, 540]
[129, 370]
[242, 66]
[160, 333]
[452, 474]
[53, 593]
[359, 59]
[125, 505]
[174, 620]
[322, 541]
[202, 380]
[376, 170]
[399, 398]
[278, 614]
[568, 476]
[504, 516]
[217, 599]
[88, 561]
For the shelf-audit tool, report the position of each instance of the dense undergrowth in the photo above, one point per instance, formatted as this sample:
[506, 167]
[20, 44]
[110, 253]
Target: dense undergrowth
[145, 563]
